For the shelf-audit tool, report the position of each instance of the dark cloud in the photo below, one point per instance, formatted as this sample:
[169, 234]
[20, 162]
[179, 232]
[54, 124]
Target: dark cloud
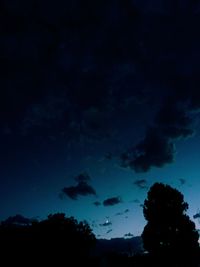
[83, 177]
[75, 90]
[47, 115]
[126, 211]
[155, 150]
[54, 57]
[191, 97]
[107, 223]
[109, 156]
[121, 213]
[197, 215]
[18, 219]
[172, 121]
[182, 181]
[112, 201]
[128, 235]
[82, 188]
[110, 230]
[97, 203]
[141, 183]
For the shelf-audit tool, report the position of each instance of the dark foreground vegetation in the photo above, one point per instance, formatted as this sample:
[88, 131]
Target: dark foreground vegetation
[57, 240]
[169, 238]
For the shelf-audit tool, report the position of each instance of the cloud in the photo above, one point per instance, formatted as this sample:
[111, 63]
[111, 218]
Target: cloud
[106, 223]
[78, 107]
[18, 219]
[136, 201]
[128, 235]
[126, 211]
[191, 98]
[108, 156]
[121, 213]
[83, 110]
[66, 57]
[82, 188]
[46, 115]
[197, 215]
[112, 201]
[83, 177]
[155, 150]
[141, 183]
[182, 181]
[97, 203]
[110, 230]
[172, 121]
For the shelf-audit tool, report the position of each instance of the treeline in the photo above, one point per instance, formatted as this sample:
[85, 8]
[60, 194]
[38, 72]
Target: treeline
[169, 238]
[55, 240]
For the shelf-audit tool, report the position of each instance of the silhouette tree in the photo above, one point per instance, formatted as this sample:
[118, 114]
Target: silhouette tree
[169, 234]
[64, 239]
[54, 240]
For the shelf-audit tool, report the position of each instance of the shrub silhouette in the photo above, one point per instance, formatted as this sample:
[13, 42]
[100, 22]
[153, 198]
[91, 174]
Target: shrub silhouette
[169, 235]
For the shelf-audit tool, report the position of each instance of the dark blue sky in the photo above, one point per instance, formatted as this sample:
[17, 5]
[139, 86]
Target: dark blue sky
[98, 101]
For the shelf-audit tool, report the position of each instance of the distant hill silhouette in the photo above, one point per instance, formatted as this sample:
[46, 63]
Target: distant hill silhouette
[128, 246]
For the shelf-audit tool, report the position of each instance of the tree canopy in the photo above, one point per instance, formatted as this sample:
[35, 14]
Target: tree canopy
[56, 239]
[169, 233]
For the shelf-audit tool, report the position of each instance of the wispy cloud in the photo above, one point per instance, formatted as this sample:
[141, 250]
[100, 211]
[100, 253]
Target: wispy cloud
[128, 235]
[106, 223]
[141, 183]
[123, 212]
[97, 203]
[18, 219]
[182, 181]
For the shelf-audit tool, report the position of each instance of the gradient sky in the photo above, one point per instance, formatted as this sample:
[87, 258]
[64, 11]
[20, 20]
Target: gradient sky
[98, 102]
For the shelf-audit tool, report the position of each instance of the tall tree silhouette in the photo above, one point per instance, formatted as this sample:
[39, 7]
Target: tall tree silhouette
[169, 234]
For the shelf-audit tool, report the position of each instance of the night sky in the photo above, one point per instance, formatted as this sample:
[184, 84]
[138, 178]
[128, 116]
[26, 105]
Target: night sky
[98, 100]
